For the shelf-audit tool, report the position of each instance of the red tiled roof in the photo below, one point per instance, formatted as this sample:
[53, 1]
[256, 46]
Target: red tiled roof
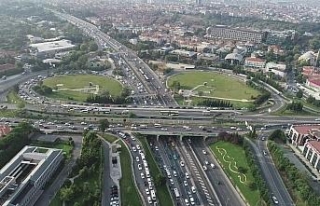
[6, 66]
[4, 130]
[315, 144]
[253, 59]
[315, 81]
[305, 129]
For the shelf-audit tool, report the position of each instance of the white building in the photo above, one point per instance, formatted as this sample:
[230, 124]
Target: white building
[276, 68]
[22, 179]
[51, 47]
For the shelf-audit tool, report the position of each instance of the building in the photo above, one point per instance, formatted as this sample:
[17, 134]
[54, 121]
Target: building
[313, 84]
[4, 130]
[276, 68]
[298, 134]
[184, 53]
[234, 58]
[309, 57]
[236, 34]
[311, 151]
[254, 62]
[51, 47]
[22, 179]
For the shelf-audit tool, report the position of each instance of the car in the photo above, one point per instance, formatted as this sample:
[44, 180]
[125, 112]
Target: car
[149, 200]
[174, 173]
[164, 129]
[142, 175]
[204, 152]
[193, 189]
[182, 164]
[192, 201]
[171, 181]
[212, 166]
[187, 202]
[134, 149]
[147, 191]
[185, 183]
[137, 159]
[204, 167]
[187, 175]
[83, 123]
[206, 162]
[139, 167]
[264, 152]
[156, 147]
[263, 138]
[138, 147]
[274, 199]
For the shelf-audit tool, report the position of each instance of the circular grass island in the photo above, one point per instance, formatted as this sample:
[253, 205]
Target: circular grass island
[79, 87]
[214, 85]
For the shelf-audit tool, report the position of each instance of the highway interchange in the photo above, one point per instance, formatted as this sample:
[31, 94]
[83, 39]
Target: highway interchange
[190, 168]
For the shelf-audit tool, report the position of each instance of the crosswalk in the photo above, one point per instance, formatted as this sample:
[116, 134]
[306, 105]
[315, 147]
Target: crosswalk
[199, 179]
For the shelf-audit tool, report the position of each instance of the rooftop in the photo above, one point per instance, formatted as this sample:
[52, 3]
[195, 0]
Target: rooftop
[315, 144]
[306, 129]
[254, 59]
[53, 46]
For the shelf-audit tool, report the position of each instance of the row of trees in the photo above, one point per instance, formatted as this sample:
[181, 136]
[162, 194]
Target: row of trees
[215, 103]
[296, 181]
[295, 106]
[11, 144]
[89, 165]
[259, 183]
[261, 98]
[313, 101]
[106, 98]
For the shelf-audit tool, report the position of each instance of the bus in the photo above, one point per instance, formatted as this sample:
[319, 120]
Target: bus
[157, 125]
[153, 195]
[170, 113]
[176, 193]
[105, 110]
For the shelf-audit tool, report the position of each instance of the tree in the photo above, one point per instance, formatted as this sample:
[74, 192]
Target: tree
[299, 94]
[160, 180]
[103, 124]
[278, 134]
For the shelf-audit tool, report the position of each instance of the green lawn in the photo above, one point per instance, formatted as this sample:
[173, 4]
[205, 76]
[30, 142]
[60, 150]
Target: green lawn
[70, 86]
[162, 191]
[129, 193]
[8, 113]
[109, 137]
[218, 85]
[235, 153]
[13, 98]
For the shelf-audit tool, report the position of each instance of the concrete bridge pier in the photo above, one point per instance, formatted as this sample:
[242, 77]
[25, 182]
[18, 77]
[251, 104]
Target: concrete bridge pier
[181, 136]
[158, 137]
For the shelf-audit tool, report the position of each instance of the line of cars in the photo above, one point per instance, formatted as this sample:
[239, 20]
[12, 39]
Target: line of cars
[114, 201]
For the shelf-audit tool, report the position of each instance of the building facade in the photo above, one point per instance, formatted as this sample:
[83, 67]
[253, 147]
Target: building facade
[225, 32]
[299, 134]
[253, 62]
[23, 178]
[311, 151]
[313, 83]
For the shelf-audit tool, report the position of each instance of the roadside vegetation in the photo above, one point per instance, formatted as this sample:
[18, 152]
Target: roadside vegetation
[163, 193]
[296, 181]
[14, 98]
[84, 184]
[12, 143]
[236, 158]
[129, 192]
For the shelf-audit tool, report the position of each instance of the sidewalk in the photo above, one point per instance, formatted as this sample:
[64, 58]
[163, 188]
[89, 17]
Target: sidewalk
[304, 160]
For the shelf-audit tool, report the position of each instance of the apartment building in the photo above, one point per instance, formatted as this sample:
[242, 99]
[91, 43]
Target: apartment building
[22, 179]
[236, 34]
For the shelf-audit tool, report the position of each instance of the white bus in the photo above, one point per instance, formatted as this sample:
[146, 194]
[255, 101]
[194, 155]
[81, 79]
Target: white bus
[105, 110]
[157, 125]
[176, 193]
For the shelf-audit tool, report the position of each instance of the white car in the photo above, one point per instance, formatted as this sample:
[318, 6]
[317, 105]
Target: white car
[142, 175]
[204, 167]
[193, 189]
[138, 147]
[212, 166]
[134, 149]
[137, 159]
[187, 175]
[206, 162]
[182, 164]
[204, 152]
[164, 129]
[185, 183]
[147, 191]
[139, 167]
[83, 123]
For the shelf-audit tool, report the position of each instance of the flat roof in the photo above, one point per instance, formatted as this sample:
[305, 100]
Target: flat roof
[53, 46]
[17, 177]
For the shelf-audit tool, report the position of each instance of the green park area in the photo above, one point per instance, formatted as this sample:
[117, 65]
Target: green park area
[213, 85]
[233, 160]
[79, 87]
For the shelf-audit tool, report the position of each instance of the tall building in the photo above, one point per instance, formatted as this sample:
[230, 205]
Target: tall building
[22, 179]
[236, 34]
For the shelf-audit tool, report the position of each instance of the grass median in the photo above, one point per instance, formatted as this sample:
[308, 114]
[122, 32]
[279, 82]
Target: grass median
[162, 190]
[129, 193]
[109, 137]
[232, 158]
